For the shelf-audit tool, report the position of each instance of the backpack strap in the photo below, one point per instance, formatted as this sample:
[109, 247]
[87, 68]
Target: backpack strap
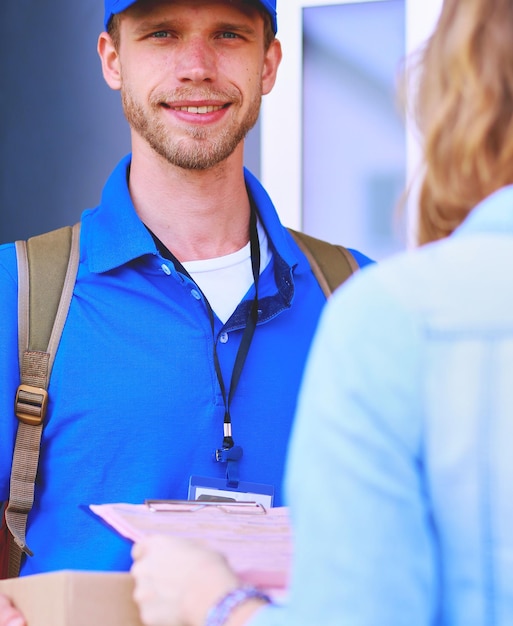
[330, 263]
[47, 268]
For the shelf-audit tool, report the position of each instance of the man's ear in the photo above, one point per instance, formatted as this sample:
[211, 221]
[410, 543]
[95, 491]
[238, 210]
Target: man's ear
[271, 63]
[110, 61]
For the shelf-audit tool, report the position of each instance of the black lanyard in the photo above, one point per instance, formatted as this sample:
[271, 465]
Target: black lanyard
[230, 453]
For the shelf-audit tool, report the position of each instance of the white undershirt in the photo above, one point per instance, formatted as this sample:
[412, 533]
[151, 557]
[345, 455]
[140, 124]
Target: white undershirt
[225, 280]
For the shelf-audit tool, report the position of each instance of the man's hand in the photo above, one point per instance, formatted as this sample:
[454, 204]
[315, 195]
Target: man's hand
[9, 614]
[178, 581]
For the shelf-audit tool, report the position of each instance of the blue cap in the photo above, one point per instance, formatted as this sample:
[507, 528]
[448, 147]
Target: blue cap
[118, 6]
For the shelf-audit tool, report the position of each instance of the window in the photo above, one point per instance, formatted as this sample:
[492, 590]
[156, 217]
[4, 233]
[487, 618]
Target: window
[335, 152]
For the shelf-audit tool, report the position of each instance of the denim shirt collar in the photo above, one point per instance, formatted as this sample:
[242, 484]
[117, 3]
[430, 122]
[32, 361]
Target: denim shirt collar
[494, 215]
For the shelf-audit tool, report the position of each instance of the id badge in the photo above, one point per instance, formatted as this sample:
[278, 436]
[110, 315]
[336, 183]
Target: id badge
[207, 489]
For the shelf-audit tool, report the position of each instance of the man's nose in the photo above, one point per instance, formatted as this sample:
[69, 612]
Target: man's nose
[197, 61]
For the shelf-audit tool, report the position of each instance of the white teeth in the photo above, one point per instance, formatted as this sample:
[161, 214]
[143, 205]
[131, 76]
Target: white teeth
[199, 110]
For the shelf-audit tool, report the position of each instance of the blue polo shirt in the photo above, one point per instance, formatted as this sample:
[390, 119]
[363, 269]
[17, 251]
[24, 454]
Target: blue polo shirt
[135, 403]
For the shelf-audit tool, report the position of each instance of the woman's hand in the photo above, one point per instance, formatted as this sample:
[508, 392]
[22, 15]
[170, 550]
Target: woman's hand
[177, 582]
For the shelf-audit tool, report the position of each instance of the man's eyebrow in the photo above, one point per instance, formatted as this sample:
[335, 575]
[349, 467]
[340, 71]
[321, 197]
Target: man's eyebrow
[237, 27]
[147, 26]
[152, 25]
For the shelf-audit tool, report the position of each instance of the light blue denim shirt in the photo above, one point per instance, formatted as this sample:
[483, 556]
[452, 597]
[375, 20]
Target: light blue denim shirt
[400, 474]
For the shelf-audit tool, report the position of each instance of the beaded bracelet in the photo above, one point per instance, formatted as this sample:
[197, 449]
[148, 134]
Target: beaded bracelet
[218, 615]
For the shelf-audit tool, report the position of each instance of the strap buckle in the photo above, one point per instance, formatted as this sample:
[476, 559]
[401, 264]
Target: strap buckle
[31, 404]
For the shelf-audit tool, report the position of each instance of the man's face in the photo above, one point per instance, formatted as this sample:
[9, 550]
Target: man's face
[192, 74]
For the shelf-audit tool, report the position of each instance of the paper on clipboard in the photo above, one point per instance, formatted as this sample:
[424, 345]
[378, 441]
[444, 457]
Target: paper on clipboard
[255, 541]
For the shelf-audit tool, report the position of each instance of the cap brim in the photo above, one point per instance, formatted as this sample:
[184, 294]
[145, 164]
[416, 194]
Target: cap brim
[116, 6]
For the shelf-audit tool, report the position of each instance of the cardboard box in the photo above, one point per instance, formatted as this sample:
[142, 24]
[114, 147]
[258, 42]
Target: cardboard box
[72, 598]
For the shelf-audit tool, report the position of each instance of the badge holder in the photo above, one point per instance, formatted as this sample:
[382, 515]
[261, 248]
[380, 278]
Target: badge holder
[217, 490]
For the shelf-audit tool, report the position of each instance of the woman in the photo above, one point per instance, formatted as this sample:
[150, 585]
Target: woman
[400, 475]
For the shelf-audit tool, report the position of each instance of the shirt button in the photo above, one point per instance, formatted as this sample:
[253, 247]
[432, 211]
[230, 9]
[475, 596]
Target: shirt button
[196, 294]
[223, 337]
[165, 269]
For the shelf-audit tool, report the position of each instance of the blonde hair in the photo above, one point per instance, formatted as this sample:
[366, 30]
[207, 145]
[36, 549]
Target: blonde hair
[464, 110]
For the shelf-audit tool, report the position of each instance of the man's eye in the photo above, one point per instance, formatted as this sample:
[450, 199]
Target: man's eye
[229, 35]
[160, 34]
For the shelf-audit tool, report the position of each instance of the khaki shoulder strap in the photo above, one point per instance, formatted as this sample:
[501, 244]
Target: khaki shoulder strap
[47, 268]
[330, 263]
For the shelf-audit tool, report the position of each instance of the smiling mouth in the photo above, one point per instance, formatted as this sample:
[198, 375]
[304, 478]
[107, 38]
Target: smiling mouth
[201, 110]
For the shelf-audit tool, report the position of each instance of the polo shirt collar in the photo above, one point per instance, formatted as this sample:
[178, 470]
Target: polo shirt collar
[115, 232]
[117, 236]
[278, 236]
